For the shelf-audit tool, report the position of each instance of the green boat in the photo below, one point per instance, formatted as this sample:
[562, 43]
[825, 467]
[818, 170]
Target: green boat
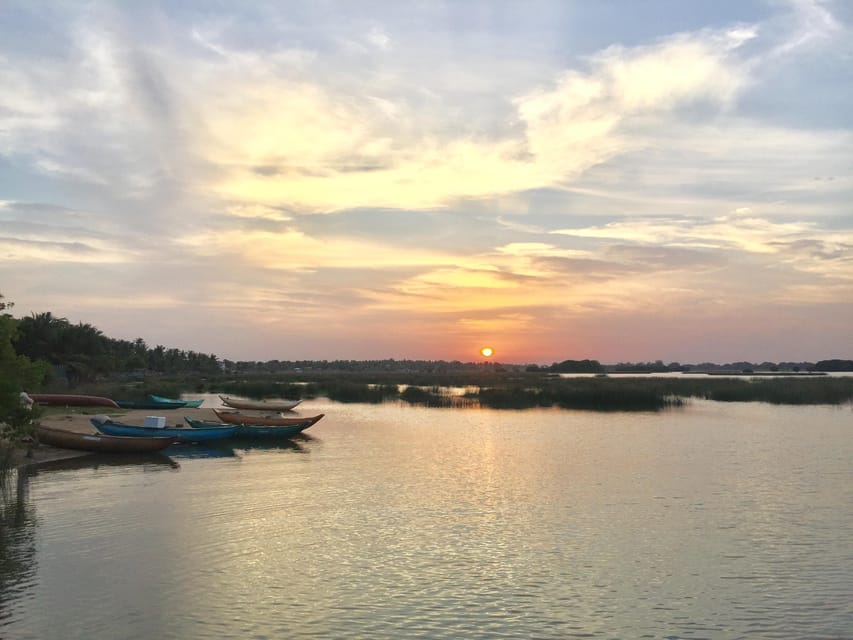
[190, 404]
[149, 404]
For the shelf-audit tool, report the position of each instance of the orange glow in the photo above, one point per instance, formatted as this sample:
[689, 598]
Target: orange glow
[487, 352]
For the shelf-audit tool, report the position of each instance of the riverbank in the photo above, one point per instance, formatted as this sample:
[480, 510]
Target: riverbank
[79, 422]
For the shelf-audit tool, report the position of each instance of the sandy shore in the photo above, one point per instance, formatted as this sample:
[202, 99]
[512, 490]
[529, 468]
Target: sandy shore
[73, 421]
[80, 421]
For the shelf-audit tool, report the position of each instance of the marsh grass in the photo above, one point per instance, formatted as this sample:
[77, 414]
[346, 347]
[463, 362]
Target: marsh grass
[507, 390]
[359, 392]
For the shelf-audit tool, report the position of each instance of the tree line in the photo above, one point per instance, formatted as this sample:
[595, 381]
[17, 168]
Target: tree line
[82, 353]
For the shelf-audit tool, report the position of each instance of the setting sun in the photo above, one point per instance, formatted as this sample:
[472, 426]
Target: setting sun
[487, 352]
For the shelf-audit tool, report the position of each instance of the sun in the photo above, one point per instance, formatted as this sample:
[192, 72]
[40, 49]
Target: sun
[487, 352]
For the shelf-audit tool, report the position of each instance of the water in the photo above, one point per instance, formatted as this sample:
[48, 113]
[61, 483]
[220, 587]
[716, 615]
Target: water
[713, 521]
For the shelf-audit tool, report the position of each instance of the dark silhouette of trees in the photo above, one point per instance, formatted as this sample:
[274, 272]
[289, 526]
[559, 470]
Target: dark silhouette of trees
[83, 353]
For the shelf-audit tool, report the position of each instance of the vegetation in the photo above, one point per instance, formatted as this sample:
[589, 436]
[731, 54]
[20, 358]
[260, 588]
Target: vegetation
[16, 374]
[577, 366]
[80, 357]
[834, 365]
[80, 353]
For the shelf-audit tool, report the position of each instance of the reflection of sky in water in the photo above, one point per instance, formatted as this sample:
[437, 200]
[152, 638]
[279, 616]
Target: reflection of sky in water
[401, 522]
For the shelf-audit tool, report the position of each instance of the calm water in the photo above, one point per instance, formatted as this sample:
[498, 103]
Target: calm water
[715, 521]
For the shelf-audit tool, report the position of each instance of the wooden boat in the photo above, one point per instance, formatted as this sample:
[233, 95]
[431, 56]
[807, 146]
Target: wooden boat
[71, 400]
[100, 442]
[182, 434]
[285, 405]
[256, 430]
[189, 404]
[235, 417]
[148, 404]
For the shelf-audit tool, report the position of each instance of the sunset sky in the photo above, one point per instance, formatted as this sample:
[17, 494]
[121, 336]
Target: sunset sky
[557, 179]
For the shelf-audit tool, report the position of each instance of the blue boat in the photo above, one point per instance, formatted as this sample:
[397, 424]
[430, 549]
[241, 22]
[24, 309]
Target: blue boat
[255, 430]
[189, 404]
[213, 432]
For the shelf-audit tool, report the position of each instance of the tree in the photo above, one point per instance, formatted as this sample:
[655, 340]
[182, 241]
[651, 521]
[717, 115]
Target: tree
[17, 374]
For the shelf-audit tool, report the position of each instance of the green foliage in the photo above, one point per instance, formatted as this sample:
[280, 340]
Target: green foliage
[84, 354]
[17, 374]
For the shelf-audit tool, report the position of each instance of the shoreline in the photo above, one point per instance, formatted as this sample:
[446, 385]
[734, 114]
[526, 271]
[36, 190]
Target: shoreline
[79, 423]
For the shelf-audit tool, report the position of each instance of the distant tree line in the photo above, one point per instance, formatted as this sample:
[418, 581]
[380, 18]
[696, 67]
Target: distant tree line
[834, 365]
[355, 366]
[571, 366]
[83, 353]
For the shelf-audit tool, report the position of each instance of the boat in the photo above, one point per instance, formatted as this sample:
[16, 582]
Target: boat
[235, 417]
[188, 404]
[285, 405]
[255, 430]
[71, 400]
[149, 404]
[213, 432]
[98, 442]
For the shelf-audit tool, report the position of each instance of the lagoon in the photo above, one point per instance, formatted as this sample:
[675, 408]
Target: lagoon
[714, 520]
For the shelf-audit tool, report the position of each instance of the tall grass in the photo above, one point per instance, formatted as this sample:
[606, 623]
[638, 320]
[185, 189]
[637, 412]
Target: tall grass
[514, 390]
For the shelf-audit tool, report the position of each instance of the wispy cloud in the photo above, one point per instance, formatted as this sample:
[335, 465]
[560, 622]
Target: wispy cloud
[503, 193]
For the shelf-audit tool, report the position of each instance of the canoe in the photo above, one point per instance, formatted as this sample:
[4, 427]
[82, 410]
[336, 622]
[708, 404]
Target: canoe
[234, 417]
[148, 404]
[182, 434]
[256, 430]
[285, 405]
[189, 404]
[71, 400]
[100, 442]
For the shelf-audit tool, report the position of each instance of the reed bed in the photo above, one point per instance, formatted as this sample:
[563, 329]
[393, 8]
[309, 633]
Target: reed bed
[510, 390]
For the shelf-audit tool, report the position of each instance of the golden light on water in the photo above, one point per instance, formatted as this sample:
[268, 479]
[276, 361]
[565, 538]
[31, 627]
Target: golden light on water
[487, 352]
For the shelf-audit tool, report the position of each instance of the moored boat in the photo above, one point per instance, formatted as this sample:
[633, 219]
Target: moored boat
[183, 434]
[99, 442]
[189, 404]
[150, 404]
[256, 430]
[71, 400]
[235, 417]
[284, 405]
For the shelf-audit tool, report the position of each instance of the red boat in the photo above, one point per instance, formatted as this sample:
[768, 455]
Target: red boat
[100, 442]
[71, 400]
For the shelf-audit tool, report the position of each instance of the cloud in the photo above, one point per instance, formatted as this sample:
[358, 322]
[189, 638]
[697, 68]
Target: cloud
[584, 119]
[193, 148]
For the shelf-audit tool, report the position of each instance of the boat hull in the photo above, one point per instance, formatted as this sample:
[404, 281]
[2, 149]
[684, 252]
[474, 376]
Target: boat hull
[257, 431]
[71, 400]
[182, 434]
[101, 443]
[148, 404]
[188, 404]
[287, 405]
[232, 417]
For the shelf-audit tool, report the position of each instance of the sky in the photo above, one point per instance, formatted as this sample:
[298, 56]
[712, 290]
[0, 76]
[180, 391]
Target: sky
[557, 179]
